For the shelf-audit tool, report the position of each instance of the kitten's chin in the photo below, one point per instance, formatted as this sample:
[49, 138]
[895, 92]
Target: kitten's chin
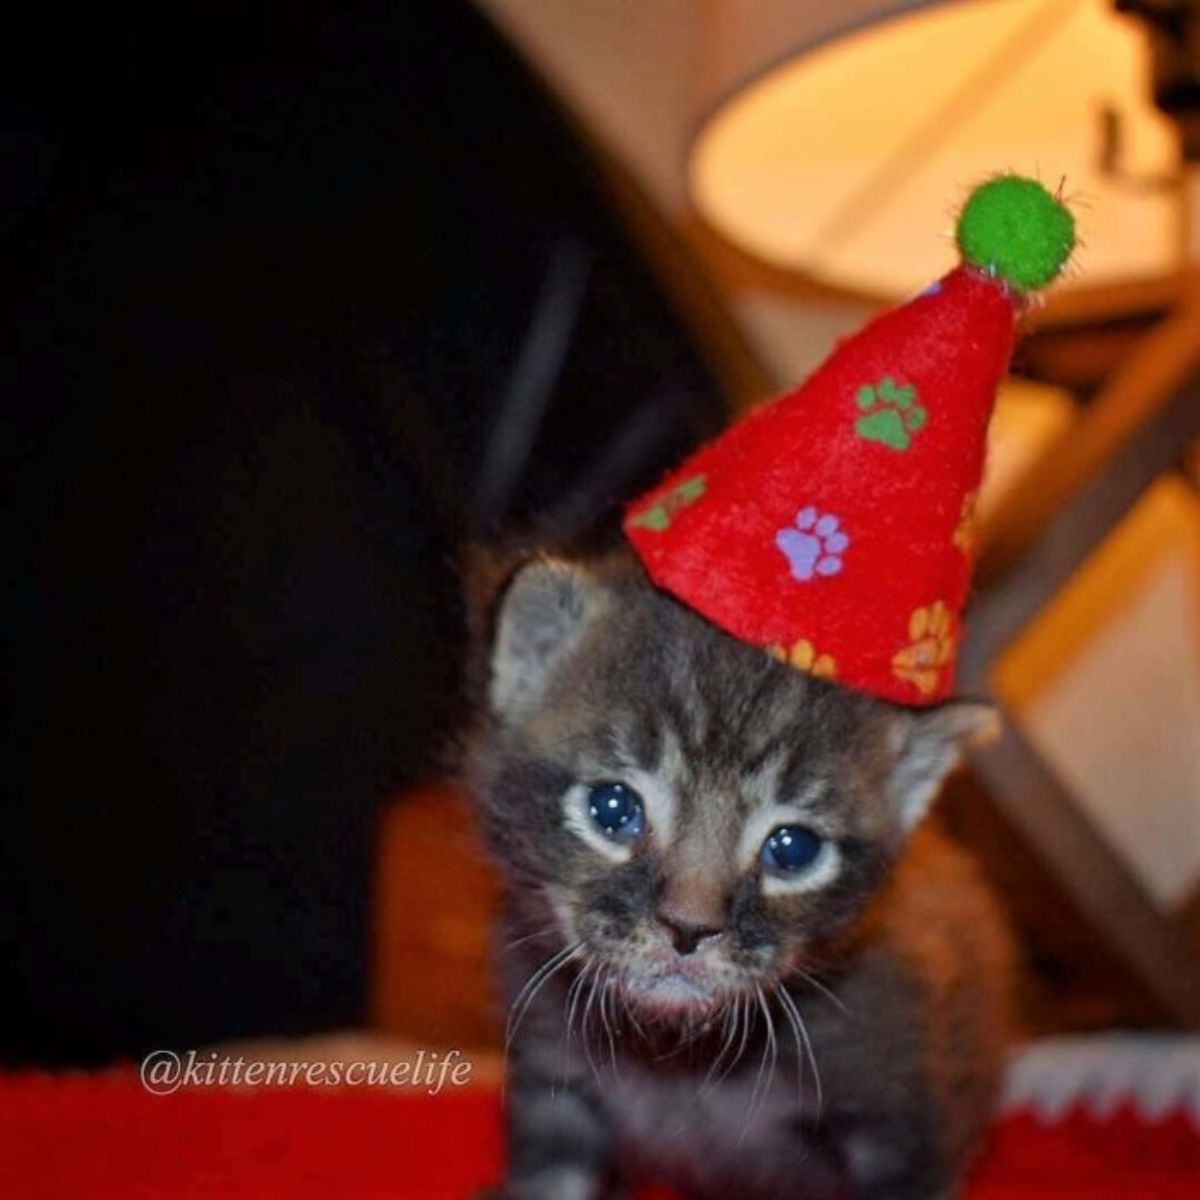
[670, 993]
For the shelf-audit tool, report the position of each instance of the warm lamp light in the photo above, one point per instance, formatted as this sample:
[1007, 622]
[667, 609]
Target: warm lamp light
[847, 163]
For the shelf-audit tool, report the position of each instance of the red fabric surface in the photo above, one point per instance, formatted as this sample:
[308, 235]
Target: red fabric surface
[103, 1136]
[731, 533]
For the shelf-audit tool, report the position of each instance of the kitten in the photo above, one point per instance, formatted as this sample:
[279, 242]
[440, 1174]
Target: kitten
[737, 962]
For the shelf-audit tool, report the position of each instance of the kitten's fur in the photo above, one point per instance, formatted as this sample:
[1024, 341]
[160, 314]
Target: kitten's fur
[629, 1060]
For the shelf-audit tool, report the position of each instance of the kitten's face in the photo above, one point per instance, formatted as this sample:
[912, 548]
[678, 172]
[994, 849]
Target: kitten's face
[700, 817]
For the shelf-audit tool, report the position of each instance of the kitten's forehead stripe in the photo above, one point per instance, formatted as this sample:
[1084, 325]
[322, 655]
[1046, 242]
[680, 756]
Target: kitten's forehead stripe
[643, 740]
[769, 754]
[721, 719]
[682, 722]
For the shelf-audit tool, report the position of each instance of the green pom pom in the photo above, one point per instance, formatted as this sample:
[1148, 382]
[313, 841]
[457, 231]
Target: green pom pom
[1014, 228]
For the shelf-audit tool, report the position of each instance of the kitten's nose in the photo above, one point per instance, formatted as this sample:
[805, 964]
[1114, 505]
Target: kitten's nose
[692, 908]
[686, 937]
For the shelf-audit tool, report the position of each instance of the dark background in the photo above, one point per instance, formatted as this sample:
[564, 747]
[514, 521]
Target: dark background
[296, 300]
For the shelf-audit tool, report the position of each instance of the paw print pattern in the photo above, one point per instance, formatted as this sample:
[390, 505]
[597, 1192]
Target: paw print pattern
[966, 533]
[930, 651]
[891, 414]
[658, 517]
[804, 656]
[814, 546]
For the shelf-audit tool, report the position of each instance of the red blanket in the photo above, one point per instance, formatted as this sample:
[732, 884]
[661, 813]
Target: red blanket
[102, 1135]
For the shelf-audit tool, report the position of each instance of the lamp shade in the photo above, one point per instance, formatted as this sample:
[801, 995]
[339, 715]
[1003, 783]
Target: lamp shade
[847, 161]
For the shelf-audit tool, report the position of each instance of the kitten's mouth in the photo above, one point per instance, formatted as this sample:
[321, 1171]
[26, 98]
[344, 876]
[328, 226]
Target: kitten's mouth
[673, 991]
[673, 988]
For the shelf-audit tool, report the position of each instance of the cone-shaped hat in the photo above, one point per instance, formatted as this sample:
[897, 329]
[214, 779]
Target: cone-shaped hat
[832, 526]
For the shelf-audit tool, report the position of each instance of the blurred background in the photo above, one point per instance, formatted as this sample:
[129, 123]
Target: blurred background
[301, 300]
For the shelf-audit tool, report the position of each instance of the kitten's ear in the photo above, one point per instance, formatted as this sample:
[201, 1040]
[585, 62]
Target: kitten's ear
[930, 744]
[543, 613]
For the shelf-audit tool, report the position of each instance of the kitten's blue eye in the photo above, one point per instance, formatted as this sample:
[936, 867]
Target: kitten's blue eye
[790, 849]
[617, 811]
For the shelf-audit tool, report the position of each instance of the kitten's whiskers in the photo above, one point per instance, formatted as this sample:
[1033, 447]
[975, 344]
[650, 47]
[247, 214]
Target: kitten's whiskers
[729, 1024]
[571, 1004]
[744, 1009]
[766, 1067]
[814, 982]
[629, 1010]
[583, 1024]
[605, 992]
[533, 985]
[537, 933]
[800, 1033]
[571, 1001]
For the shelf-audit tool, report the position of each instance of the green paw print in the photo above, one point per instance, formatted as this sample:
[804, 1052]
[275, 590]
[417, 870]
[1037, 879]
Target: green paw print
[659, 516]
[891, 414]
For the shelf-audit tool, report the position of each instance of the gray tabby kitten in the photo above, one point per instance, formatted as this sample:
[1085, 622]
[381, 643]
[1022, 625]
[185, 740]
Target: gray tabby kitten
[737, 963]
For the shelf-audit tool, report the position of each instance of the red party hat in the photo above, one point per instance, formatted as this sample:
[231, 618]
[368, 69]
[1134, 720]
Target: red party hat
[833, 525]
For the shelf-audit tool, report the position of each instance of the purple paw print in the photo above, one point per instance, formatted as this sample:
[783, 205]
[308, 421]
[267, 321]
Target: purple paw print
[814, 546]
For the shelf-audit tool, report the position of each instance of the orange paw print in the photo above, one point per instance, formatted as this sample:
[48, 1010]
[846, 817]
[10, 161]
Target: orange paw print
[804, 657]
[930, 651]
[966, 534]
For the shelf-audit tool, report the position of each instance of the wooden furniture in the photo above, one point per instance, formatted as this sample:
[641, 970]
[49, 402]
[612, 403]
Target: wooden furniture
[1140, 425]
